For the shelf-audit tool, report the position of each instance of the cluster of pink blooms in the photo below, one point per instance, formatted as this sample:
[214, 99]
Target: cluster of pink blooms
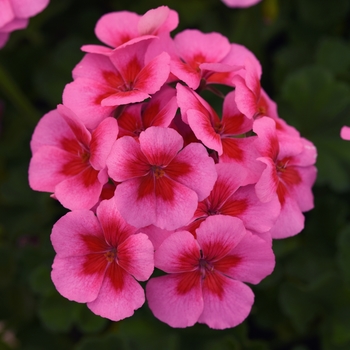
[154, 177]
[15, 14]
[345, 133]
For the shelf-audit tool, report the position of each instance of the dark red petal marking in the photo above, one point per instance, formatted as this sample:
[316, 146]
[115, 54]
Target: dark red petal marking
[72, 146]
[146, 187]
[164, 189]
[215, 250]
[177, 168]
[90, 176]
[231, 148]
[232, 125]
[95, 244]
[148, 117]
[117, 276]
[215, 283]
[234, 207]
[94, 264]
[187, 281]
[131, 71]
[227, 263]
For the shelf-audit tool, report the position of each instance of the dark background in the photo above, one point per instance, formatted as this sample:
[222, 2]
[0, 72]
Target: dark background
[304, 48]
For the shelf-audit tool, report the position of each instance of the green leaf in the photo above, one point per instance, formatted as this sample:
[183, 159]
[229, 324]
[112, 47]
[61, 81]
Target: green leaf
[343, 256]
[88, 322]
[40, 280]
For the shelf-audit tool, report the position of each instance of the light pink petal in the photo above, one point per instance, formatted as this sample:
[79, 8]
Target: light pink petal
[154, 74]
[345, 133]
[176, 299]
[45, 174]
[160, 145]
[126, 160]
[102, 140]
[228, 308]
[204, 130]
[240, 3]
[73, 282]
[135, 255]
[120, 295]
[50, 130]
[77, 233]
[267, 185]
[238, 55]
[201, 174]
[218, 235]
[256, 215]
[164, 203]
[161, 109]
[255, 260]
[81, 191]
[178, 253]
[115, 229]
[117, 28]
[184, 72]
[152, 20]
[84, 97]
[156, 235]
[267, 142]
[79, 130]
[124, 98]
[28, 8]
[7, 12]
[290, 221]
[98, 49]
[195, 47]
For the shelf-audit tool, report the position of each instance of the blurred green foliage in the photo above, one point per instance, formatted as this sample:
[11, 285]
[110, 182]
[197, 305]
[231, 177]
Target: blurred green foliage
[304, 48]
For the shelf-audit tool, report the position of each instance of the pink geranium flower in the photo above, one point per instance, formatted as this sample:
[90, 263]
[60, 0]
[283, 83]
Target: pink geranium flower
[102, 83]
[240, 3]
[345, 133]
[118, 29]
[161, 183]
[289, 175]
[70, 161]
[15, 15]
[205, 275]
[99, 258]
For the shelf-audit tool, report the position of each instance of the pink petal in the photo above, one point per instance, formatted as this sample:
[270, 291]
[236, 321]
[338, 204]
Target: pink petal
[152, 20]
[135, 255]
[126, 160]
[3, 39]
[77, 233]
[124, 98]
[102, 140]
[256, 260]
[176, 299]
[117, 28]
[179, 253]
[345, 133]
[7, 12]
[218, 235]
[28, 8]
[240, 3]
[119, 295]
[70, 279]
[229, 308]
[202, 173]
[156, 235]
[160, 145]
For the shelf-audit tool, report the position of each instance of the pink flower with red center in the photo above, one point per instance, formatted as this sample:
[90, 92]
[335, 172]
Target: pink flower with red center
[345, 133]
[161, 182]
[229, 197]
[98, 260]
[222, 135]
[289, 175]
[15, 15]
[101, 83]
[70, 161]
[196, 60]
[159, 111]
[204, 281]
[118, 29]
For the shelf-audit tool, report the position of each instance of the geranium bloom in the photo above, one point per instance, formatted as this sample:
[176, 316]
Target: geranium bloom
[68, 160]
[102, 83]
[15, 15]
[161, 183]
[240, 3]
[229, 197]
[345, 133]
[289, 175]
[205, 275]
[99, 258]
[118, 29]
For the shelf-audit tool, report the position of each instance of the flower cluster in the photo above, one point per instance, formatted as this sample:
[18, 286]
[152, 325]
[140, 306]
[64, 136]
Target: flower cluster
[155, 177]
[15, 15]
